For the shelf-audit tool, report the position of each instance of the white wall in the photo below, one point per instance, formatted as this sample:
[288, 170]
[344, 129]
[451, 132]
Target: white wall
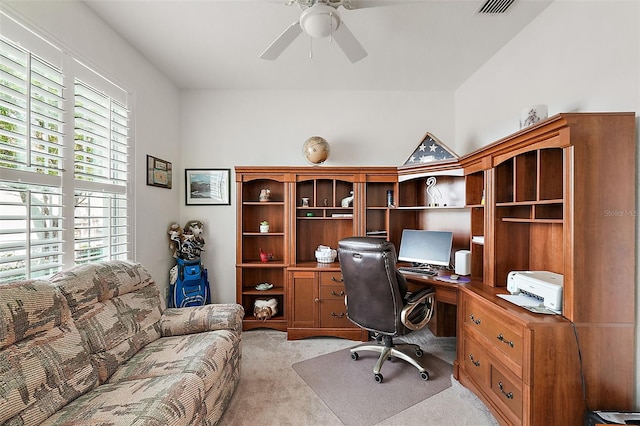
[223, 129]
[76, 29]
[576, 56]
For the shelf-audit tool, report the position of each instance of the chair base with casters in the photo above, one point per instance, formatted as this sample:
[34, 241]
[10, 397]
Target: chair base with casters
[378, 300]
[388, 350]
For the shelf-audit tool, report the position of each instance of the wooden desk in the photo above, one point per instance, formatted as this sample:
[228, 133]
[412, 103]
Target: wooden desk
[443, 322]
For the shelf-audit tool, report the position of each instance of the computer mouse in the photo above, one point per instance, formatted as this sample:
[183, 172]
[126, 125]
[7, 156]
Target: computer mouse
[454, 276]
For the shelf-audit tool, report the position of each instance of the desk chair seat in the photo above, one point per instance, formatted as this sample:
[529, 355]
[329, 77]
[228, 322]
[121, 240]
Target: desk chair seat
[378, 301]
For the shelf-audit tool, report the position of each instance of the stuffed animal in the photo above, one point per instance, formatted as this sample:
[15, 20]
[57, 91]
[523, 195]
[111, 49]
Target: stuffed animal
[264, 309]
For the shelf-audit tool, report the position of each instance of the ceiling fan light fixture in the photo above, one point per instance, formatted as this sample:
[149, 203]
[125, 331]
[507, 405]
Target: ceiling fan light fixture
[320, 20]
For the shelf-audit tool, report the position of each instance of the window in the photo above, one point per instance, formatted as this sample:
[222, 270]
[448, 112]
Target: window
[30, 231]
[52, 216]
[100, 162]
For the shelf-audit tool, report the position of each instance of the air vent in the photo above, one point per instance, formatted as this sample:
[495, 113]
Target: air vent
[495, 6]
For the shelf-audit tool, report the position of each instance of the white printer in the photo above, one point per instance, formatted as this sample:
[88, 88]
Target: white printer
[543, 285]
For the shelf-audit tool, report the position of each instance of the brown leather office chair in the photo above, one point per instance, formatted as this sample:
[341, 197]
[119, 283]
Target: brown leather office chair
[378, 301]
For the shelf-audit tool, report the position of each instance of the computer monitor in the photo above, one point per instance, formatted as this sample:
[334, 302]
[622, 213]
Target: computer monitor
[426, 247]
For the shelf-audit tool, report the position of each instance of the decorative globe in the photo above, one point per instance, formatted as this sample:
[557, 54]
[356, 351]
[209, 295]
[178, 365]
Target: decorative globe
[316, 150]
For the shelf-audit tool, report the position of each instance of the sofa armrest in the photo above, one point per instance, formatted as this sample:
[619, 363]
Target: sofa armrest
[197, 319]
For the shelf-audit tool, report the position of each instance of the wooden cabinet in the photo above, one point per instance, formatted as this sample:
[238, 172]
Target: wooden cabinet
[554, 200]
[308, 207]
[524, 366]
[250, 269]
[317, 303]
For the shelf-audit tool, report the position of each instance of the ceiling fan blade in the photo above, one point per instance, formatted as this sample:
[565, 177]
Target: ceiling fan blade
[282, 42]
[349, 44]
[363, 4]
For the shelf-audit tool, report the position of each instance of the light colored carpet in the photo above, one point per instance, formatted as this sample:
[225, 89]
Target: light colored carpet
[272, 393]
[350, 391]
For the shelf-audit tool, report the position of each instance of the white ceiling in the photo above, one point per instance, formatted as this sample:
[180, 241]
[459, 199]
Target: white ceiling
[411, 45]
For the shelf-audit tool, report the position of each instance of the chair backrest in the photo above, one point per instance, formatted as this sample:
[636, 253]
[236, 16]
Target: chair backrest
[374, 288]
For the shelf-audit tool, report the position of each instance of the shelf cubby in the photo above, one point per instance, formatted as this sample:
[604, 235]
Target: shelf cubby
[551, 172]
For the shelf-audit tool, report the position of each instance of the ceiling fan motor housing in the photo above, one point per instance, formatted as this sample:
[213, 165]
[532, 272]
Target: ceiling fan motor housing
[320, 20]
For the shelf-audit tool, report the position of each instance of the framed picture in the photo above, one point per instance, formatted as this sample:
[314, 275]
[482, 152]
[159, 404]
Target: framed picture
[207, 186]
[158, 172]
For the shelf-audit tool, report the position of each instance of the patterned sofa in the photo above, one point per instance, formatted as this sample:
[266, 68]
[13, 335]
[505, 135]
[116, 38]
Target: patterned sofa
[94, 346]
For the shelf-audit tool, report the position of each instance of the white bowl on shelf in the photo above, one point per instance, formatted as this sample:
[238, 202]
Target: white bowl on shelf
[326, 256]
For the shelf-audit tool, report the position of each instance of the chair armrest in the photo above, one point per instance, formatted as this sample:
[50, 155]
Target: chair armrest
[420, 295]
[418, 309]
[197, 319]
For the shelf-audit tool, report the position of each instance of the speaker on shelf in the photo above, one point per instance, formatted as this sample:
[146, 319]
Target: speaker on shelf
[463, 262]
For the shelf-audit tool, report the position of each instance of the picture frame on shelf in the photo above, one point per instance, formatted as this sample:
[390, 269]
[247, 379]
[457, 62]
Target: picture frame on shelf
[207, 187]
[159, 172]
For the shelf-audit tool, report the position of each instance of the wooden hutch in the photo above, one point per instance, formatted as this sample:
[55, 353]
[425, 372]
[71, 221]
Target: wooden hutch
[558, 196]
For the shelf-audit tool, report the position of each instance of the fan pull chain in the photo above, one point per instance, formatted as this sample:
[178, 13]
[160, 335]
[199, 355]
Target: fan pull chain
[330, 27]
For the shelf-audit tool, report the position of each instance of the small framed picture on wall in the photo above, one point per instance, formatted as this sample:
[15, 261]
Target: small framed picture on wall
[207, 186]
[158, 172]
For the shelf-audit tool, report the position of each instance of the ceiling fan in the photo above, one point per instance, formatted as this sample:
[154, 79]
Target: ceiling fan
[320, 19]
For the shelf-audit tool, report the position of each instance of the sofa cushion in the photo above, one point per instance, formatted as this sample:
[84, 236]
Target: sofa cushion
[116, 307]
[163, 400]
[204, 354]
[196, 319]
[43, 362]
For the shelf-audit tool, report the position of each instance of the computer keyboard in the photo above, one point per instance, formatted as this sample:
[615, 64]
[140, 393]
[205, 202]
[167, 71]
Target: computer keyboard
[417, 270]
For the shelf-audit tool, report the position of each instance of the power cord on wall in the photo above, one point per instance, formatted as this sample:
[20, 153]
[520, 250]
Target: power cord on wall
[582, 378]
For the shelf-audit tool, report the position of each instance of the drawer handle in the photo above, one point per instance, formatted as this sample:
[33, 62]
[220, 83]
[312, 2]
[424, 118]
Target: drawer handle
[316, 300]
[473, 361]
[340, 315]
[476, 321]
[333, 293]
[509, 395]
[503, 340]
[337, 280]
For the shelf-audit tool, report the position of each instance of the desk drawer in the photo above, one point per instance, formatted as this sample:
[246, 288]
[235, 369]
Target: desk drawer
[497, 328]
[476, 361]
[331, 278]
[493, 379]
[506, 390]
[333, 313]
[332, 292]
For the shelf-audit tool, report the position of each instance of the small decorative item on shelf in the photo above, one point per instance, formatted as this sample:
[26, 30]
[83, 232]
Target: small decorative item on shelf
[325, 254]
[316, 150]
[346, 201]
[532, 115]
[266, 257]
[434, 193]
[265, 195]
[264, 286]
[390, 198]
[264, 309]
[264, 226]
[305, 201]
